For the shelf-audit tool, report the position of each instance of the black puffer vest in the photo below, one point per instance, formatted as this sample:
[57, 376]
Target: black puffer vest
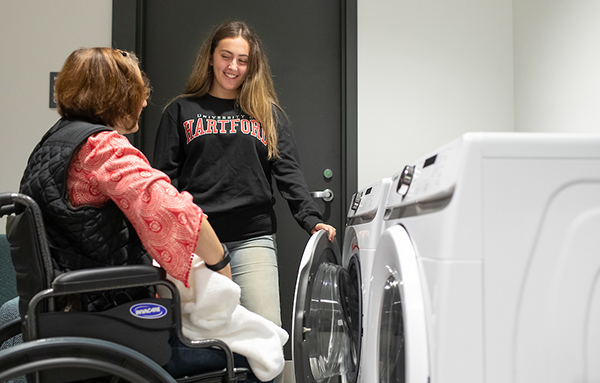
[82, 237]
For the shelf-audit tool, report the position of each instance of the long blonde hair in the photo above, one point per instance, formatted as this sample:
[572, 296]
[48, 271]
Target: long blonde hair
[257, 95]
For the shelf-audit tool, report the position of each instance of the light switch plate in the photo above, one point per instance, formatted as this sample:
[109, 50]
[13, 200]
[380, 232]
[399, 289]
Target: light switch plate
[52, 79]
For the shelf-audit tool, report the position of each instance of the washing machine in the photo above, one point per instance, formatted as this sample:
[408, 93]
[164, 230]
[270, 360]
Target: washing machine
[331, 295]
[488, 268]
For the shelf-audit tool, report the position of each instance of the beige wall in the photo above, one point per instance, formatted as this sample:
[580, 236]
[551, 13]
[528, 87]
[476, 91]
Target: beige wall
[36, 36]
[430, 70]
[557, 65]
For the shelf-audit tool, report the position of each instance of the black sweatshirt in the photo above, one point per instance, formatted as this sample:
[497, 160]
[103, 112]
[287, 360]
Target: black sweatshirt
[219, 155]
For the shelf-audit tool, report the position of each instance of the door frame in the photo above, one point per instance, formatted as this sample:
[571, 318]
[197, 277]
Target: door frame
[127, 33]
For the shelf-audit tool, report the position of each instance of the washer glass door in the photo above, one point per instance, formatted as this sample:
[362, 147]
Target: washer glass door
[326, 311]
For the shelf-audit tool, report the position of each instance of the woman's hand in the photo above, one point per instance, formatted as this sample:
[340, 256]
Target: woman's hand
[209, 247]
[328, 228]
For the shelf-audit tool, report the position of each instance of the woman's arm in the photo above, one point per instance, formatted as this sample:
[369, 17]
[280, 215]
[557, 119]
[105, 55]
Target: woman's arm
[291, 183]
[168, 153]
[169, 224]
[209, 248]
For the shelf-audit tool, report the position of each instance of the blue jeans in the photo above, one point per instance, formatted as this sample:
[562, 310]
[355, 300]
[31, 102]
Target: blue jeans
[187, 361]
[254, 269]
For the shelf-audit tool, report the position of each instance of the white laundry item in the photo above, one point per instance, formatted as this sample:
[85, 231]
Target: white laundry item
[210, 309]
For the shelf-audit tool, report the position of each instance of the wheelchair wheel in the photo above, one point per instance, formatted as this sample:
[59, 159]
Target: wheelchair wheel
[8, 331]
[59, 356]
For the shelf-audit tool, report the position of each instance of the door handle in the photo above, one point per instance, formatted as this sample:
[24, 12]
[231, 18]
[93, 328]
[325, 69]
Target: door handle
[326, 194]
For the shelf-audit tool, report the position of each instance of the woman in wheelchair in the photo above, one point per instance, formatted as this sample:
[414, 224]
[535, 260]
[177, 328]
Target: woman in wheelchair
[104, 205]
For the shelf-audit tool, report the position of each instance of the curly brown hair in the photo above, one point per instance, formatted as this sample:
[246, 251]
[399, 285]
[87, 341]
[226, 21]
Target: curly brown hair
[102, 86]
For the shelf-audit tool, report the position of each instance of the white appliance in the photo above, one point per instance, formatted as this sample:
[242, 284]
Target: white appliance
[328, 335]
[488, 270]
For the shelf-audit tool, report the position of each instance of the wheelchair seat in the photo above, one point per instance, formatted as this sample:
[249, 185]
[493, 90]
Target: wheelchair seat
[130, 340]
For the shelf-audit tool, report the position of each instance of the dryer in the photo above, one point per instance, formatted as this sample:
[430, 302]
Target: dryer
[488, 269]
[328, 335]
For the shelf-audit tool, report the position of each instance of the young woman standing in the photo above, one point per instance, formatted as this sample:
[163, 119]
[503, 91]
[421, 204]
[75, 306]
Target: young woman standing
[224, 140]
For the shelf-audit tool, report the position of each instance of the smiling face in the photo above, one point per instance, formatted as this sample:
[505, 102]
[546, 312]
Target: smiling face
[230, 65]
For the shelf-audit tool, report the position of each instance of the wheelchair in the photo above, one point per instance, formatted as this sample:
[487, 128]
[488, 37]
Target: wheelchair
[128, 342]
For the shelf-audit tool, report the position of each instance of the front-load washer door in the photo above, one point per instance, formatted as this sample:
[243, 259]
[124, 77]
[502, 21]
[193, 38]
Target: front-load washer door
[325, 329]
[397, 308]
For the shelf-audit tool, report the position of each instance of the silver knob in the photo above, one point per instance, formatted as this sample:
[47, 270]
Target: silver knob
[405, 179]
[326, 194]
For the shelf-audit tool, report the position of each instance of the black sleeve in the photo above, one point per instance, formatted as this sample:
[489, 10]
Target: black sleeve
[168, 150]
[290, 180]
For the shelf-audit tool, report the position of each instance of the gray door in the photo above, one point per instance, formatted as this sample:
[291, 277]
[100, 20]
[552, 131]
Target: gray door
[311, 49]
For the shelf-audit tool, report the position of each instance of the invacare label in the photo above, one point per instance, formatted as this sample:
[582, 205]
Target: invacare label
[148, 311]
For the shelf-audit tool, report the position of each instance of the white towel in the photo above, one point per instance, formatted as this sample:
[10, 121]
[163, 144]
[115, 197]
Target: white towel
[210, 309]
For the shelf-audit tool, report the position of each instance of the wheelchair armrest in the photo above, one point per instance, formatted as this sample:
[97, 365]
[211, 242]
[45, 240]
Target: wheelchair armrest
[106, 278]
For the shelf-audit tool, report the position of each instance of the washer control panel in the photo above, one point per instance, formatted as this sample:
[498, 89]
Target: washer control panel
[366, 201]
[429, 178]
